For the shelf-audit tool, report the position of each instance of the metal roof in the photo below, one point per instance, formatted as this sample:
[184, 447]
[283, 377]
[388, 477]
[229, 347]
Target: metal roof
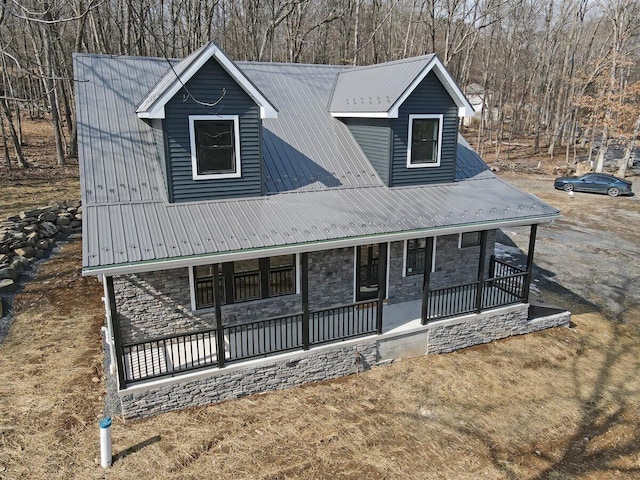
[305, 148]
[129, 225]
[130, 234]
[378, 90]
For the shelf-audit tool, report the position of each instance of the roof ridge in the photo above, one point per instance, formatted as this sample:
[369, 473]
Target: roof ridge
[399, 61]
[292, 64]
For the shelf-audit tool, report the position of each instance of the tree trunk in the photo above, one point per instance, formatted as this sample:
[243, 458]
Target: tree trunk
[14, 136]
[628, 158]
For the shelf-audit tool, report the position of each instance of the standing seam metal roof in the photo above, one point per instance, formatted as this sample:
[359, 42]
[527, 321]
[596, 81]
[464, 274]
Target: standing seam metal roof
[337, 196]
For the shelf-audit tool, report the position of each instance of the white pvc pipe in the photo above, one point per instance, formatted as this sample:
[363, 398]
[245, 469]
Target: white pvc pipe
[105, 442]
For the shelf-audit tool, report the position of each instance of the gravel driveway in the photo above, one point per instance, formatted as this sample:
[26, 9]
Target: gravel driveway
[590, 258]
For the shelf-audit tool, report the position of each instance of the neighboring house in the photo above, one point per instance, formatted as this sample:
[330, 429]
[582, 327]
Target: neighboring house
[478, 98]
[263, 225]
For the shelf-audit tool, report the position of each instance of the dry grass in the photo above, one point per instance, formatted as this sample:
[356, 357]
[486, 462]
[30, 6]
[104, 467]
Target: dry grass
[560, 404]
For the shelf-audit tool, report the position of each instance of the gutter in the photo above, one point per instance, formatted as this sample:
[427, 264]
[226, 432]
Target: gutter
[221, 257]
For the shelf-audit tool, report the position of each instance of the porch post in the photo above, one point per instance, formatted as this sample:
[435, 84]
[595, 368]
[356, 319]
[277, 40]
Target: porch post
[426, 278]
[382, 282]
[532, 246]
[219, 329]
[117, 335]
[481, 262]
[305, 300]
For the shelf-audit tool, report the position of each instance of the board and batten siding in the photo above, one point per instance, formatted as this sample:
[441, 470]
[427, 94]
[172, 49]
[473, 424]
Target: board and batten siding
[374, 137]
[214, 86]
[430, 97]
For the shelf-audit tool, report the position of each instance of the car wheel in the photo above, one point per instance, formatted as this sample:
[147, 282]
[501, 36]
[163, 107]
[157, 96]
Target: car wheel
[613, 192]
[568, 187]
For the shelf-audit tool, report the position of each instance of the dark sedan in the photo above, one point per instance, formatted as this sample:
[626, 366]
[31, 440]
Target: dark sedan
[595, 183]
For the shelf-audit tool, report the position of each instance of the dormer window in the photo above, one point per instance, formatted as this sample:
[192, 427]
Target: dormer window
[425, 140]
[215, 146]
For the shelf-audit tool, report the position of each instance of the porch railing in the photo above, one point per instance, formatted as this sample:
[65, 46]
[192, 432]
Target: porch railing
[464, 299]
[342, 322]
[175, 354]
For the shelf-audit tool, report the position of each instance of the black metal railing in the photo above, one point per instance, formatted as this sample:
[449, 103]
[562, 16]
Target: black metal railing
[503, 291]
[263, 337]
[507, 287]
[500, 268]
[175, 354]
[452, 301]
[343, 322]
[169, 355]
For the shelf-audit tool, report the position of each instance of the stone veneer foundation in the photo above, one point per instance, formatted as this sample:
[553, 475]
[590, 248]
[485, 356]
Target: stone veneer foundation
[329, 361]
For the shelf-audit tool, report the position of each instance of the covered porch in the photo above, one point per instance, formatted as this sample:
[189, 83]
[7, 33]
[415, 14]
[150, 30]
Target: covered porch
[173, 355]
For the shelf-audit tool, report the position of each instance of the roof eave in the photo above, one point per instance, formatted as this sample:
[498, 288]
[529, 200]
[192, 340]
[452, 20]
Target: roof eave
[221, 257]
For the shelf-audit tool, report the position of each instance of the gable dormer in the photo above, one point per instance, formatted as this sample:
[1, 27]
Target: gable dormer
[207, 116]
[404, 115]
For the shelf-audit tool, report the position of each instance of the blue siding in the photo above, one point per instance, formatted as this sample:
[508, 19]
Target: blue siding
[429, 97]
[374, 137]
[207, 86]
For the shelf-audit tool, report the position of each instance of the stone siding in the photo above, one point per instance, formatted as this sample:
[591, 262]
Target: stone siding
[331, 277]
[271, 375]
[331, 361]
[453, 266]
[157, 303]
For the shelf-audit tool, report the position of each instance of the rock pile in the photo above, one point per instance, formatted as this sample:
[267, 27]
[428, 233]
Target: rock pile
[28, 236]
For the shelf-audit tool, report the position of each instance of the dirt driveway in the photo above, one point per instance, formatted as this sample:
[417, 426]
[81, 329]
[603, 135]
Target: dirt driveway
[589, 260]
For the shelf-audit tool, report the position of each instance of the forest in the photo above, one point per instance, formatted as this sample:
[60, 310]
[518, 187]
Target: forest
[561, 73]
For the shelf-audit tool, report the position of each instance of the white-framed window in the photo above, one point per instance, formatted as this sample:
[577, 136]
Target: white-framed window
[468, 239]
[245, 280]
[415, 254]
[215, 146]
[425, 140]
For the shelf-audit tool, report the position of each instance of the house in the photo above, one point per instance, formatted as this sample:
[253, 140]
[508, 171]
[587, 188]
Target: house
[260, 225]
[479, 100]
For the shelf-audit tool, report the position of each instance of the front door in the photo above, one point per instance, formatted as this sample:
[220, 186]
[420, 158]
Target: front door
[367, 282]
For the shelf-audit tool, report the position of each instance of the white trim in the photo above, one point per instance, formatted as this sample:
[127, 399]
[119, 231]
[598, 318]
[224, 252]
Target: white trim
[425, 116]
[113, 363]
[156, 110]
[447, 82]
[433, 254]
[298, 273]
[236, 140]
[355, 274]
[386, 290]
[192, 289]
[363, 115]
[404, 258]
[205, 259]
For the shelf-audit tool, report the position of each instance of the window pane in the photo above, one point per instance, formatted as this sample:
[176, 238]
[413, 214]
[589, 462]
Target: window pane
[282, 275]
[470, 239]
[215, 146]
[246, 281]
[204, 286]
[424, 141]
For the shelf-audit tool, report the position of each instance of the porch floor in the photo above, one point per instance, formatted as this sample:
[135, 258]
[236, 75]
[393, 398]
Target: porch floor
[398, 317]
